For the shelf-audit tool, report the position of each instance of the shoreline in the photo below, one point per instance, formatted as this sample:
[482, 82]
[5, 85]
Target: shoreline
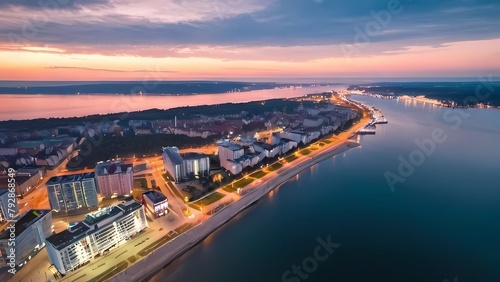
[423, 99]
[82, 106]
[153, 264]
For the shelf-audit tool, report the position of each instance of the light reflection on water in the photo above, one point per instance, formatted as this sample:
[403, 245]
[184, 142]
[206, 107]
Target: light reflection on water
[45, 106]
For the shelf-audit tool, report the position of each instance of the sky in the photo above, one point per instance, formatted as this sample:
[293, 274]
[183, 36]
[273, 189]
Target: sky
[224, 39]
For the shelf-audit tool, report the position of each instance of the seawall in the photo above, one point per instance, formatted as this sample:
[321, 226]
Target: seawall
[146, 268]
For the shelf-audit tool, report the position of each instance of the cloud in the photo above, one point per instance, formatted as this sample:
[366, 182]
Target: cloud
[108, 70]
[184, 28]
[54, 4]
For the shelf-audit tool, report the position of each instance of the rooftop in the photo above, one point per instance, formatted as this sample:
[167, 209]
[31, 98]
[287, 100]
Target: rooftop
[113, 167]
[70, 178]
[173, 154]
[102, 214]
[193, 156]
[266, 146]
[90, 226]
[27, 171]
[155, 196]
[234, 147]
[316, 118]
[283, 139]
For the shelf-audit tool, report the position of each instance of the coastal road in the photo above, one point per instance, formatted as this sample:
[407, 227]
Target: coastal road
[118, 257]
[269, 181]
[38, 197]
[37, 269]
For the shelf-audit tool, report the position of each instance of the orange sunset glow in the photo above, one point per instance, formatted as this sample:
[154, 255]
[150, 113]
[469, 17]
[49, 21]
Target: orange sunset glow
[119, 40]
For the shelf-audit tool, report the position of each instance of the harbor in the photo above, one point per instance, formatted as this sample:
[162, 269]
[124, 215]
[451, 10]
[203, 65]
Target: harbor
[376, 118]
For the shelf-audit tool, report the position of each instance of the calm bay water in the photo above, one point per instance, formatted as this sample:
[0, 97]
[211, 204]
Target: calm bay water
[442, 223]
[17, 107]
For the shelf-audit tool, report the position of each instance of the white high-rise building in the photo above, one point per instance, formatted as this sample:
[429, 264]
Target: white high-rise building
[71, 192]
[229, 152]
[99, 232]
[114, 178]
[185, 166]
[29, 233]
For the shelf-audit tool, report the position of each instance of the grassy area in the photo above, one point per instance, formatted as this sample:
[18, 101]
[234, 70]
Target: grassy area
[259, 174]
[275, 166]
[239, 184]
[230, 189]
[210, 199]
[137, 193]
[132, 259]
[291, 158]
[140, 183]
[193, 206]
[243, 182]
[305, 152]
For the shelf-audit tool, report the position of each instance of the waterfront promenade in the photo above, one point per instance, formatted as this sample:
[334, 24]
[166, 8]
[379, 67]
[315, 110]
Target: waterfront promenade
[148, 266]
[160, 244]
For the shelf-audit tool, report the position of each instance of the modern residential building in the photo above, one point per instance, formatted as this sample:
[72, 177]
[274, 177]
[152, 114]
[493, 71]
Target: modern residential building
[8, 206]
[172, 161]
[26, 179]
[297, 136]
[270, 150]
[195, 164]
[71, 192]
[114, 179]
[155, 202]
[313, 121]
[30, 232]
[229, 152]
[97, 234]
[287, 145]
[185, 166]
